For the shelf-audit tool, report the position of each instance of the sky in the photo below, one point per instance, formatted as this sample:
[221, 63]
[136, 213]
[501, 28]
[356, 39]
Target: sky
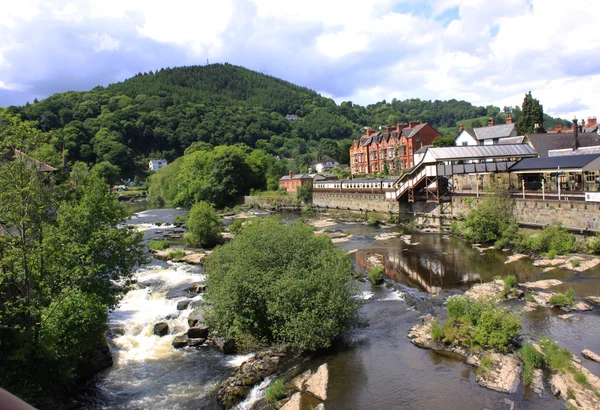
[484, 52]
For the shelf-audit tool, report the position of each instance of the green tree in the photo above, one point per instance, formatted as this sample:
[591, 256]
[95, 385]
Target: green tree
[204, 225]
[298, 289]
[532, 113]
[107, 172]
[61, 258]
[304, 193]
[442, 141]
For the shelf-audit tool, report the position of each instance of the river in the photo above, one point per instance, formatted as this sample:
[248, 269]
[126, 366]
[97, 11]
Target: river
[378, 368]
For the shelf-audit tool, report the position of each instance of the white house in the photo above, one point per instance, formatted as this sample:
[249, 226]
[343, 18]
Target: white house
[490, 135]
[324, 163]
[156, 164]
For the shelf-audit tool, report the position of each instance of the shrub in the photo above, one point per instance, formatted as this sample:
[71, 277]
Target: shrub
[563, 299]
[275, 392]
[575, 263]
[552, 238]
[592, 244]
[178, 254]
[488, 221]
[374, 221]
[304, 193]
[551, 254]
[532, 359]
[236, 226]
[204, 225]
[158, 245]
[510, 283]
[556, 358]
[529, 298]
[436, 331]
[485, 364]
[480, 323]
[376, 274]
[180, 219]
[298, 288]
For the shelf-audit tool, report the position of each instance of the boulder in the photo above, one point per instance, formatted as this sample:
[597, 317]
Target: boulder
[387, 235]
[317, 383]
[93, 360]
[294, 403]
[490, 290]
[183, 304]
[581, 306]
[505, 374]
[196, 318]
[224, 345]
[196, 342]
[200, 332]
[594, 300]
[515, 257]
[588, 354]
[196, 289]
[161, 329]
[180, 341]
[537, 381]
[299, 381]
[542, 284]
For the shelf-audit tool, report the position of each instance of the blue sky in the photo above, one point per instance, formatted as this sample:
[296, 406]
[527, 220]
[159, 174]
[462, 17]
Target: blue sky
[364, 51]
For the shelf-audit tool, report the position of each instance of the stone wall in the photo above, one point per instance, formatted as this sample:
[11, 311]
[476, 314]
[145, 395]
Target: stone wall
[354, 202]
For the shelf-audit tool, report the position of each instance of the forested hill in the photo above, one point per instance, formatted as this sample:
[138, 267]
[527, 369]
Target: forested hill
[160, 114]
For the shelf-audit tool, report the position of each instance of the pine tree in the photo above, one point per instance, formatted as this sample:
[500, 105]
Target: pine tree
[532, 113]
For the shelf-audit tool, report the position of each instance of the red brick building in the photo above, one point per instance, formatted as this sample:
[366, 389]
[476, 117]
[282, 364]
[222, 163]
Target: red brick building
[395, 147]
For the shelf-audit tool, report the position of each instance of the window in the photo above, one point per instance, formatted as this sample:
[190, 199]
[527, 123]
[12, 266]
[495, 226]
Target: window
[495, 141]
[465, 143]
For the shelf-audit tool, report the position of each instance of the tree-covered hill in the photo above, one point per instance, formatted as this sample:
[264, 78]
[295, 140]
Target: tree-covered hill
[160, 114]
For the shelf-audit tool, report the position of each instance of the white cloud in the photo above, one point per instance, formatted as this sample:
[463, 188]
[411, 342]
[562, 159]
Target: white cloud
[103, 42]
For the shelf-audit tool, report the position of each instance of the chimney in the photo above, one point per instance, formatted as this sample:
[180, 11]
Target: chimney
[413, 124]
[388, 128]
[576, 139]
[491, 122]
[509, 119]
[591, 121]
[461, 128]
[536, 128]
[291, 174]
[370, 131]
[559, 128]
[400, 126]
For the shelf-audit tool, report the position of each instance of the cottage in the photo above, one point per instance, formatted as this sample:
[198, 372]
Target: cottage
[491, 135]
[324, 163]
[156, 164]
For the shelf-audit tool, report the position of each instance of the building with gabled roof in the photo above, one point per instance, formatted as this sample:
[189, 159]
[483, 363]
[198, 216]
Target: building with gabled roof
[491, 135]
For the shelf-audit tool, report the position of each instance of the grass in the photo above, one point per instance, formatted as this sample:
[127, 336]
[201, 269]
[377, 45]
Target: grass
[485, 364]
[158, 245]
[555, 357]
[178, 254]
[436, 330]
[373, 221]
[532, 359]
[580, 378]
[529, 298]
[510, 283]
[563, 299]
[575, 263]
[180, 219]
[275, 392]
[376, 274]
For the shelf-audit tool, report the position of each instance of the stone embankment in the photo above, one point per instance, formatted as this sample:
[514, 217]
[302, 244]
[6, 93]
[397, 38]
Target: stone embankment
[504, 374]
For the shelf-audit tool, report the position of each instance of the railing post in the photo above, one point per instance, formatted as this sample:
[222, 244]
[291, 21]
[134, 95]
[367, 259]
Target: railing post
[523, 185]
[543, 191]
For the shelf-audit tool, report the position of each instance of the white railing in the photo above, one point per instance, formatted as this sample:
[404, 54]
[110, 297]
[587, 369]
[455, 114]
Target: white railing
[411, 182]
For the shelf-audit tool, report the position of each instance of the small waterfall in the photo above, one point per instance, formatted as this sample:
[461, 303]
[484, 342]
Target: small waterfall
[257, 393]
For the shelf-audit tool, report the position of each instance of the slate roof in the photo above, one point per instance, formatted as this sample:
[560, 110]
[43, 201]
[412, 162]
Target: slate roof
[512, 140]
[564, 162]
[480, 152]
[495, 131]
[410, 132]
[543, 143]
[32, 162]
[296, 176]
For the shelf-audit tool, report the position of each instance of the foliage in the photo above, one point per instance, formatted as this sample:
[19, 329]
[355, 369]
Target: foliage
[510, 283]
[556, 358]
[551, 238]
[575, 263]
[376, 274]
[442, 141]
[479, 323]
[204, 226]
[485, 364]
[532, 359]
[374, 221]
[299, 288]
[158, 245]
[178, 254]
[580, 378]
[236, 226]
[563, 299]
[275, 391]
[532, 112]
[529, 298]
[63, 264]
[304, 193]
[592, 244]
[437, 332]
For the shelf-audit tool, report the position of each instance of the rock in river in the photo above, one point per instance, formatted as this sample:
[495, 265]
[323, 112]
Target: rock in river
[161, 329]
[200, 332]
[180, 341]
[588, 354]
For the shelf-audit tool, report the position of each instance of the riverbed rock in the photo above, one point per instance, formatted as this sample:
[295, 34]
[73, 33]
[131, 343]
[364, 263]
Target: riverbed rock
[224, 345]
[594, 300]
[161, 329]
[387, 235]
[196, 318]
[569, 316]
[183, 304]
[94, 360]
[299, 381]
[180, 341]
[318, 382]
[490, 290]
[196, 342]
[200, 332]
[252, 371]
[580, 396]
[537, 382]
[515, 257]
[294, 403]
[542, 284]
[197, 288]
[581, 307]
[588, 354]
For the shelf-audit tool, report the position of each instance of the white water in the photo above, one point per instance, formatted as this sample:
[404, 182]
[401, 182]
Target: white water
[258, 392]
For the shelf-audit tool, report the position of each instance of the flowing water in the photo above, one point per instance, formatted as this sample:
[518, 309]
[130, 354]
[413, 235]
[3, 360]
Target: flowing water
[378, 368]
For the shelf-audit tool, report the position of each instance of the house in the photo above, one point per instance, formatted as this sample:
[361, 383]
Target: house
[324, 163]
[291, 117]
[591, 126]
[156, 164]
[491, 135]
[291, 182]
[14, 154]
[393, 149]
[564, 143]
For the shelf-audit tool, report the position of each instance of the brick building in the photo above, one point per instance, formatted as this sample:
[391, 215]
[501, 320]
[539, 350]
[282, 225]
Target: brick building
[395, 147]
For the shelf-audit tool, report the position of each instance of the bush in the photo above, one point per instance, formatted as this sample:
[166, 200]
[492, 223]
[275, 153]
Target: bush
[178, 254]
[236, 226]
[551, 254]
[480, 323]
[532, 359]
[436, 331]
[575, 263]
[552, 238]
[180, 219]
[510, 283]
[275, 392]
[304, 193]
[529, 298]
[556, 358]
[204, 225]
[592, 244]
[485, 364]
[298, 289]
[563, 299]
[373, 221]
[158, 245]
[376, 274]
